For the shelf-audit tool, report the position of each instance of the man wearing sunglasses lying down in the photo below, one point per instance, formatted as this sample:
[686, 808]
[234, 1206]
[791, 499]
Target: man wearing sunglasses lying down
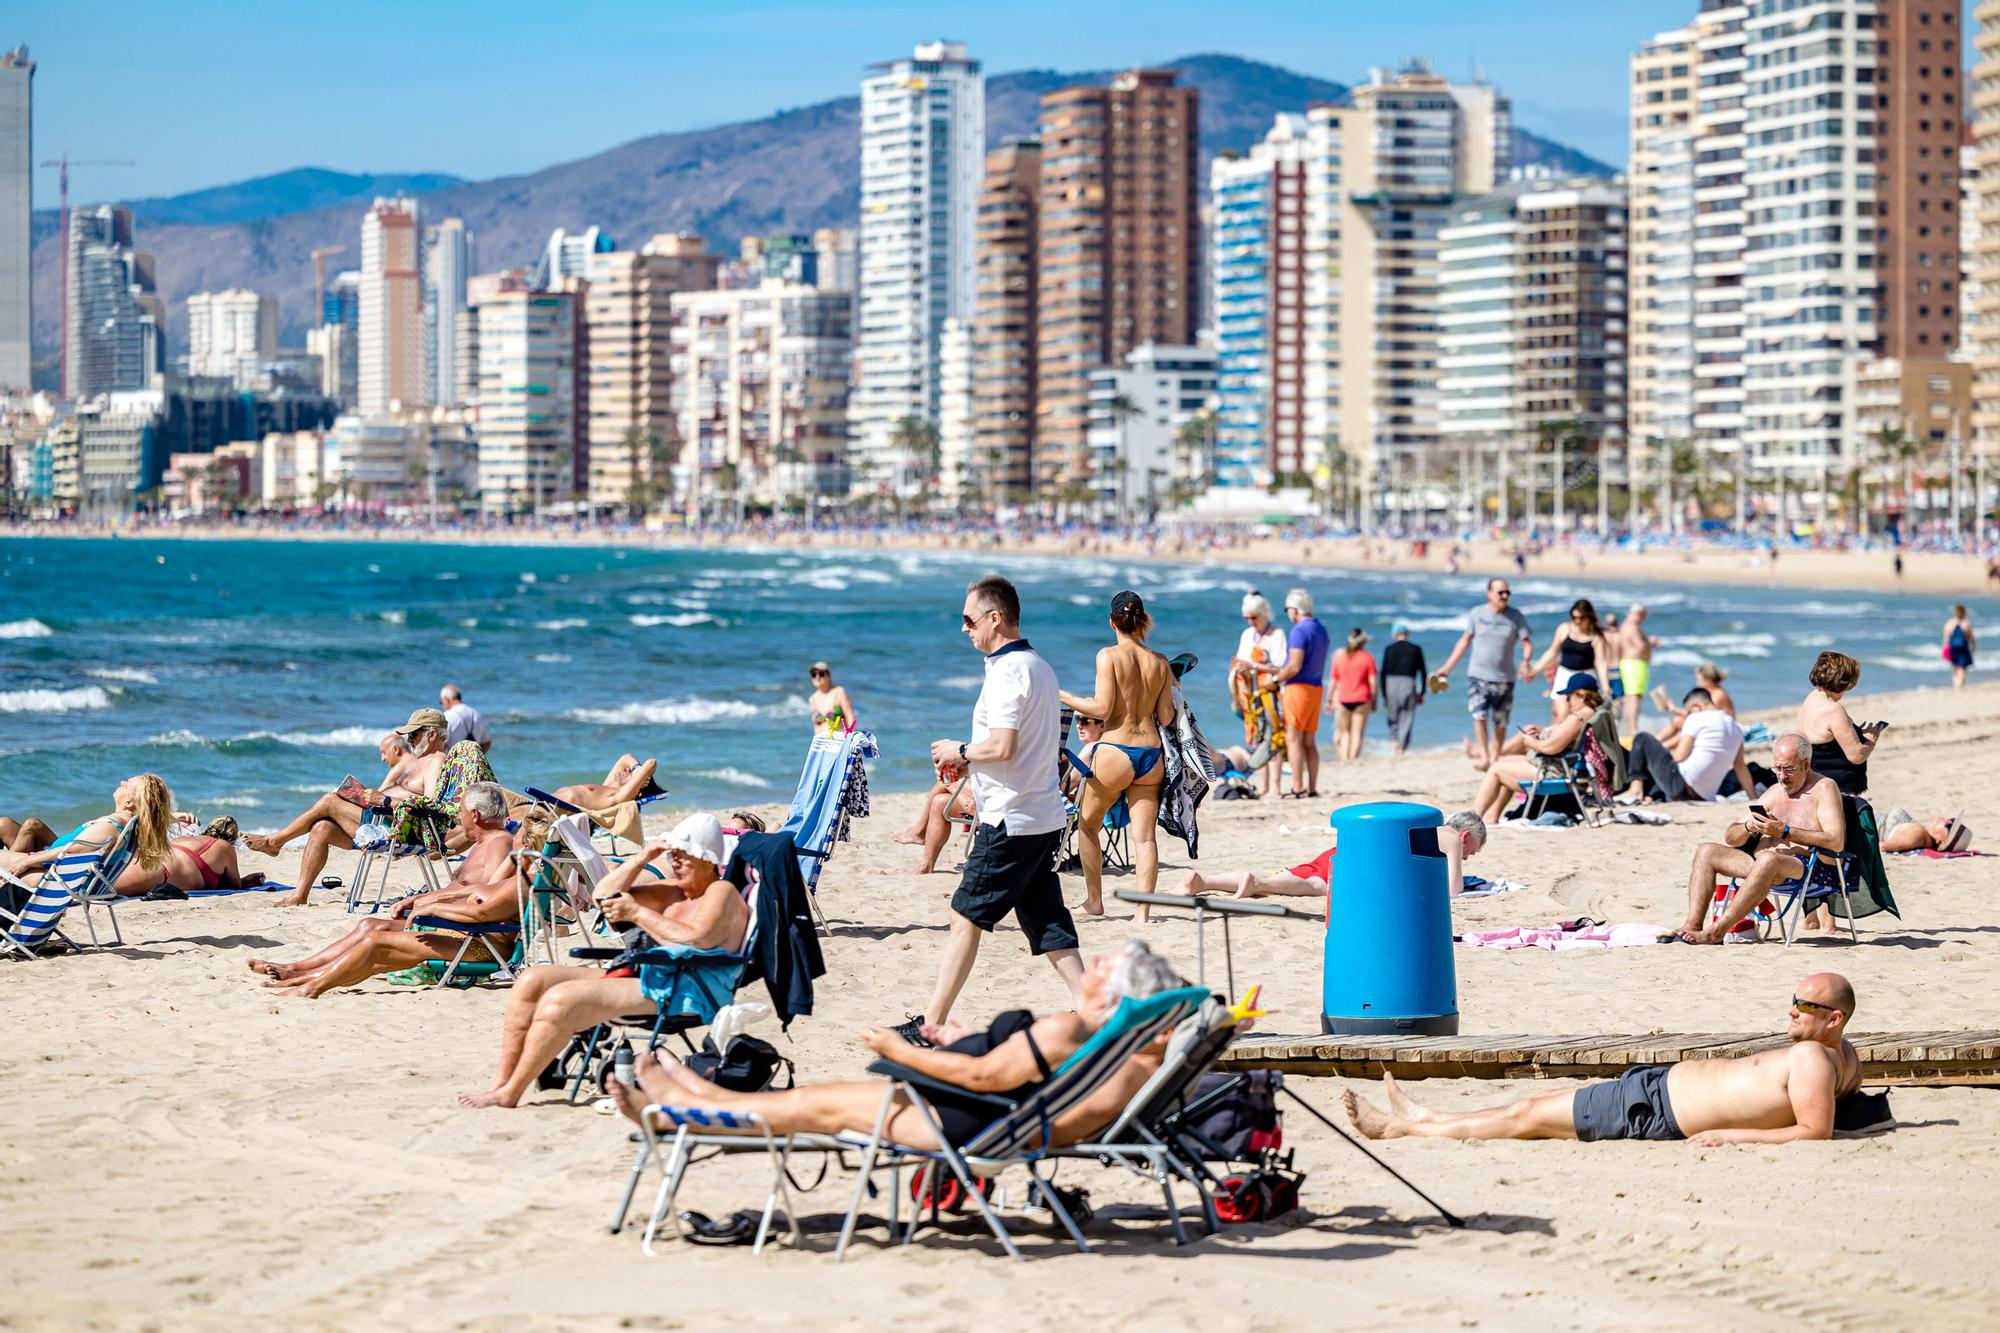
[1772, 1097]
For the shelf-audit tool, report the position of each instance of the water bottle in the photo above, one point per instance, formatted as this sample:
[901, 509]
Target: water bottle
[621, 1066]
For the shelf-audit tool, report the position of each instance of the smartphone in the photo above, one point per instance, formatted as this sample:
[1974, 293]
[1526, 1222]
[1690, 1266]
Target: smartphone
[1759, 810]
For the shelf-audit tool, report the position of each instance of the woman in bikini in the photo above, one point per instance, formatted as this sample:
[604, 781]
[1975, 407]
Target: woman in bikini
[1580, 646]
[142, 802]
[200, 862]
[1134, 697]
[832, 710]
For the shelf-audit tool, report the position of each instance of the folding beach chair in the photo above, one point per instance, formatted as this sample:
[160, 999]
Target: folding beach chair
[1831, 879]
[84, 876]
[380, 855]
[819, 814]
[1010, 1140]
[566, 807]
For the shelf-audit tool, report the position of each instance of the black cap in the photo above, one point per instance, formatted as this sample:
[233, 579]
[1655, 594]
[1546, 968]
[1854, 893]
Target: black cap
[1126, 601]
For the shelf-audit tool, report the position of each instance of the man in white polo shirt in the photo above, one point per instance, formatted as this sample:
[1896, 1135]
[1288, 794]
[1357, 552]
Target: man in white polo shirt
[1012, 758]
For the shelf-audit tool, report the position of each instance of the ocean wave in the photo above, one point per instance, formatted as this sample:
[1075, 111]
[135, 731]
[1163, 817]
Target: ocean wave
[681, 621]
[130, 675]
[1730, 645]
[178, 736]
[552, 657]
[394, 617]
[960, 683]
[336, 738]
[234, 802]
[735, 777]
[557, 626]
[664, 713]
[81, 699]
[25, 629]
[1904, 662]
[690, 603]
[645, 598]
[1418, 624]
[447, 576]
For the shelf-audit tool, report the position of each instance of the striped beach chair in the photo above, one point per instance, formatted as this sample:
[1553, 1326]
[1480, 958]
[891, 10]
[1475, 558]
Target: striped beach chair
[85, 876]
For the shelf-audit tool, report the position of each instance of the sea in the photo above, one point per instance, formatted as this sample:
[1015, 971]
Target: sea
[253, 675]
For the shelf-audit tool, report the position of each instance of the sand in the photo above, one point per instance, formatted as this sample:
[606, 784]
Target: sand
[184, 1150]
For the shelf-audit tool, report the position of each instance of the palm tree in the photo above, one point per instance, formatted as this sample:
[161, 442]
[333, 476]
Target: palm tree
[727, 478]
[1121, 409]
[917, 439]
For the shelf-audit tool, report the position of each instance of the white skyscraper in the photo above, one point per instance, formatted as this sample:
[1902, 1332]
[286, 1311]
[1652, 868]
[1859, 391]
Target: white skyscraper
[17, 162]
[390, 335]
[923, 143]
[450, 255]
[231, 333]
[115, 319]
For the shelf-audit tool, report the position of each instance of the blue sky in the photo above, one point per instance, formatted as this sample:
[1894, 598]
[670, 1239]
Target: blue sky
[202, 92]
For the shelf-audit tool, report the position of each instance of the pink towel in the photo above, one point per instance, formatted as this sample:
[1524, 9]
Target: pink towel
[1555, 939]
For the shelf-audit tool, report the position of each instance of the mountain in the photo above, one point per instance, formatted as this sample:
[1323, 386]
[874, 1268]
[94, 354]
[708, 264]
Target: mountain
[791, 171]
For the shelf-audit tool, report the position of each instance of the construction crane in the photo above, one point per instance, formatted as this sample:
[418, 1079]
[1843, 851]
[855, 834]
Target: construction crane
[319, 277]
[62, 165]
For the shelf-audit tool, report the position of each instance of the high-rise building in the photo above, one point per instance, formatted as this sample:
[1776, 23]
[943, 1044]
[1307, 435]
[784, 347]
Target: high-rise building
[760, 389]
[530, 438]
[1382, 175]
[628, 314]
[451, 254]
[1137, 412]
[1120, 246]
[1257, 292]
[119, 452]
[923, 137]
[1662, 237]
[958, 474]
[1983, 263]
[1003, 331]
[1532, 324]
[838, 258]
[115, 321]
[232, 333]
[336, 341]
[567, 254]
[17, 177]
[390, 336]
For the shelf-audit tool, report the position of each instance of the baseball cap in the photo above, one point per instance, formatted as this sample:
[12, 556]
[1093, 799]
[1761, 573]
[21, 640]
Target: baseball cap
[700, 836]
[1400, 627]
[1125, 601]
[423, 717]
[1578, 680]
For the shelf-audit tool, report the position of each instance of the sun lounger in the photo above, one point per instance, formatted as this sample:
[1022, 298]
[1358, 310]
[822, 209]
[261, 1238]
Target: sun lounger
[593, 816]
[819, 815]
[84, 876]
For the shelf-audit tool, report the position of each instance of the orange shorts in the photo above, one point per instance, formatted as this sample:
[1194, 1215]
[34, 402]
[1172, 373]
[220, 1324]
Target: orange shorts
[1302, 709]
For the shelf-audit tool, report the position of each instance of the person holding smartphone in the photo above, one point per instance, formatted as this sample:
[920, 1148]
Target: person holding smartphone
[1769, 845]
[1840, 748]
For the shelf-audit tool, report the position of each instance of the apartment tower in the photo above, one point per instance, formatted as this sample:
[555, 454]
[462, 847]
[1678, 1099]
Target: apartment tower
[530, 438]
[451, 255]
[17, 177]
[389, 333]
[1003, 328]
[1257, 289]
[231, 333]
[1982, 265]
[1662, 247]
[115, 321]
[1119, 246]
[923, 139]
[628, 311]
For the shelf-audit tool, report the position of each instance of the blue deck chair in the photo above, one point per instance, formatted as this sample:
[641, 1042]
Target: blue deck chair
[1012, 1139]
[1826, 880]
[84, 876]
[547, 798]
[817, 819]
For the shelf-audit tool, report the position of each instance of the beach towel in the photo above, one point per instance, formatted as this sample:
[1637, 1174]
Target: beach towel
[1190, 773]
[268, 886]
[1933, 854]
[1564, 936]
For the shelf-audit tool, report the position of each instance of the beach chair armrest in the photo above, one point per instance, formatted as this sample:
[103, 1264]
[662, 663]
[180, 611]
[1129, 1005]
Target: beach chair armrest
[467, 927]
[595, 955]
[814, 853]
[925, 1083]
[558, 802]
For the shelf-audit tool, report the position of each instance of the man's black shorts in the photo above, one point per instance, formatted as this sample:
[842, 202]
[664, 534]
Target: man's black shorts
[1016, 874]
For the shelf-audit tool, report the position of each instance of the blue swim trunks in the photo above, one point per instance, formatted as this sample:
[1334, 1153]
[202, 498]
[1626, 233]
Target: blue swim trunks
[1632, 1106]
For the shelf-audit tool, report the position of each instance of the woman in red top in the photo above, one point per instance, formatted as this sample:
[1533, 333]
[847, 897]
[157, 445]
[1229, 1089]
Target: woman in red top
[1354, 683]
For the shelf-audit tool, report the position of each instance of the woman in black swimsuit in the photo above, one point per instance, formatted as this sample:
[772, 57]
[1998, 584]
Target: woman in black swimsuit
[1579, 646]
[1840, 749]
[1007, 1060]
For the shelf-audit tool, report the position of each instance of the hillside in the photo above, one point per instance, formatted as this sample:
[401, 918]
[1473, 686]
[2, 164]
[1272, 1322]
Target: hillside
[791, 171]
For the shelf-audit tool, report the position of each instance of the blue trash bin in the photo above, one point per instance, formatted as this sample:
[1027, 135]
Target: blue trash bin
[1388, 925]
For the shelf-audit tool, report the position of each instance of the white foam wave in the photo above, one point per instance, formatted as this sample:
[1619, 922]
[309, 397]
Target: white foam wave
[448, 576]
[529, 577]
[690, 603]
[960, 683]
[234, 802]
[181, 736]
[1894, 661]
[25, 629]
[557, 626]
[645, 598]
[735, 777]
[337, 737]
[1079, 599]
[1419, 624]
[664, 713]
[1677, 657]
[81, 699]
[552, 657]
[131, 675]
[395, 617]
[678, 621]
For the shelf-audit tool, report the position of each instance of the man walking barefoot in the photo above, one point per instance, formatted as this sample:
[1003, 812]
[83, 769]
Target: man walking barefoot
[1012, 758]
[1492, 633]
[1772, 1097]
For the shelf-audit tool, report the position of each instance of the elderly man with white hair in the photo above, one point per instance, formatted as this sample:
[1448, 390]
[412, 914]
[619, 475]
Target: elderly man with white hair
[673, 897]
[1260, 650]
[1308, 650]
[481, 893]
[1802, 812]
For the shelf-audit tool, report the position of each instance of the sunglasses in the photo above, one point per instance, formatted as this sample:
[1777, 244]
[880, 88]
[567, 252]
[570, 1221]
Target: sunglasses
[1503, 593]
[1812, 1006]
[817, 674]
[969, 619]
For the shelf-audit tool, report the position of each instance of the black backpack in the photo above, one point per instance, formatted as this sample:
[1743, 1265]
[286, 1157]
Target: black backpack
[749, 1065]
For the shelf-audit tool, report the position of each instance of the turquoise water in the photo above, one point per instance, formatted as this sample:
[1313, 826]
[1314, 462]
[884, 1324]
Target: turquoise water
[253, 675]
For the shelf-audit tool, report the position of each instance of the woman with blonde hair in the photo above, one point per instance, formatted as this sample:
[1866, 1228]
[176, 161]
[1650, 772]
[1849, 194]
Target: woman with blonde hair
[1134, 696]
[1709, 677]
[141, 803]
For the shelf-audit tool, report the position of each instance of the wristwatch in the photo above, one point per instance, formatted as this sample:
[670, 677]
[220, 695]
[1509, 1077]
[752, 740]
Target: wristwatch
[961, 753]
[1785, 833]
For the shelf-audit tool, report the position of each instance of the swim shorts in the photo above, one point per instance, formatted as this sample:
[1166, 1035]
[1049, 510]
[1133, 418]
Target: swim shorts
[1319, 868]
[1636, 671]
[1490, 698]
[1016, 874]
[1302, 703]
[1632, 1106]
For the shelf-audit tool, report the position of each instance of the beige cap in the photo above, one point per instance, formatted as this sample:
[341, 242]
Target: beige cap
[423, 717]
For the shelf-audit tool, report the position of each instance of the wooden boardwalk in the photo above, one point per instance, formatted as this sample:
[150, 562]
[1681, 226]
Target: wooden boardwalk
[1928, 1059]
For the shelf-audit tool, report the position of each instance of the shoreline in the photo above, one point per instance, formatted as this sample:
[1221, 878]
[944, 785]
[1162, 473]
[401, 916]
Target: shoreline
[1926, 573]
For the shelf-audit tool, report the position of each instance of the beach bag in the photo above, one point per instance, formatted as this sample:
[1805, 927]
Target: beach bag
[749, 1065]
[1242, 1122]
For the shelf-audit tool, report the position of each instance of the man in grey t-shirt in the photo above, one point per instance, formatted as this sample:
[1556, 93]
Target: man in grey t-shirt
[1494, 633]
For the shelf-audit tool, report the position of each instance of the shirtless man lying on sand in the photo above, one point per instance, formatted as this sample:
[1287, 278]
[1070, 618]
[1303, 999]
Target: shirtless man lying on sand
[1311, 879]
[1771, 1097]
[481, 893]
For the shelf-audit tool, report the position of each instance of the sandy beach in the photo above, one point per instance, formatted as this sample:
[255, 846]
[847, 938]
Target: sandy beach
[186, 1151]
[1932, 573]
